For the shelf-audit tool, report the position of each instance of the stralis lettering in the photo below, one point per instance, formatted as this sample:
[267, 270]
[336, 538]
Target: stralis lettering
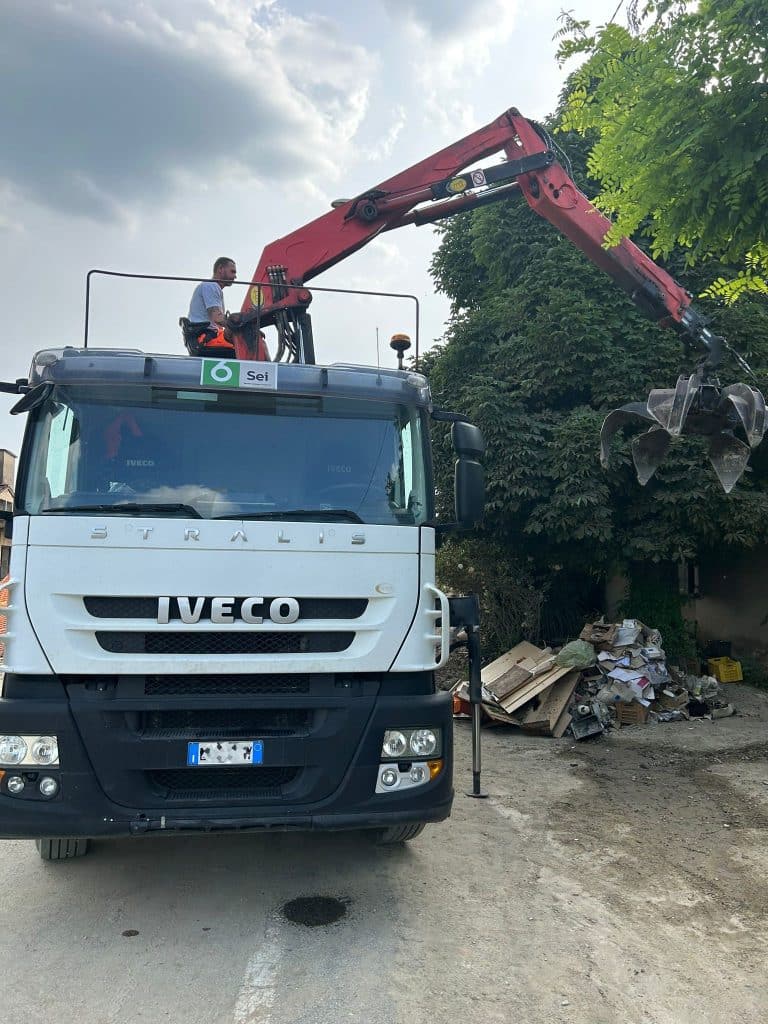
[226, 609]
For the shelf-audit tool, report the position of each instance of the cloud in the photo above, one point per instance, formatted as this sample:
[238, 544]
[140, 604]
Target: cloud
[437, 20]
[452, 47]
[383, 148]
[108, 103]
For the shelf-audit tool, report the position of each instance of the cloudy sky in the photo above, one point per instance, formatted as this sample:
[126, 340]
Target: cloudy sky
[150, 136]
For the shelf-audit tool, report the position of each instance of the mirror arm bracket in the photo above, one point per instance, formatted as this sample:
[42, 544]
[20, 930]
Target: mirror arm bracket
[448, 417]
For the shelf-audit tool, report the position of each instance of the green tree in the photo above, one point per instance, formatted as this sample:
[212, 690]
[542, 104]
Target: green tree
[677, 106]
[540, 347]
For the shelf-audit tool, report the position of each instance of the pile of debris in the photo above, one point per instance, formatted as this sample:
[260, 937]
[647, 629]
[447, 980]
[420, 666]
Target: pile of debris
[614, 674]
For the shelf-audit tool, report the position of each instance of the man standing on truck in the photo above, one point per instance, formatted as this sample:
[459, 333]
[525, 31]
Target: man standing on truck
[206, 308]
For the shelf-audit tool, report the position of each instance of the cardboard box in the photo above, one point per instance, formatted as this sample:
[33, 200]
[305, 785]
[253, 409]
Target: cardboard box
[631, 714]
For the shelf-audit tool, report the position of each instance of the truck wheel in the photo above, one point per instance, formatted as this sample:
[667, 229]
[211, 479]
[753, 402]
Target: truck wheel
[397, 834]
[61, 849]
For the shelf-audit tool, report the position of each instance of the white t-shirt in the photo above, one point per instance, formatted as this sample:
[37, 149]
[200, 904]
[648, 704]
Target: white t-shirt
[207, 295]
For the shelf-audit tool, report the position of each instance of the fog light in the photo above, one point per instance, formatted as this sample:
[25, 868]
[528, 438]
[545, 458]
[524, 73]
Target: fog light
[418, 774]
[395, 744]
[423, 742]
[15, 784]
[48, 786]
[389, 777]
[45, 750]
[13, 749]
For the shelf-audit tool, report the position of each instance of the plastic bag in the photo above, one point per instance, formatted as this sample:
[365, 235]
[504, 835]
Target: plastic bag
[576, 654]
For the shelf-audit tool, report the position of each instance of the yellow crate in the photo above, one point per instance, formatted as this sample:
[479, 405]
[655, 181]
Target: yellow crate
[725, 670]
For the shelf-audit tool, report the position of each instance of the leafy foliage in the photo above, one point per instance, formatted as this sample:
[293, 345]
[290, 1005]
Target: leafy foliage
[540, 347]
[652, 597]
[679, 111]
[518, 601]
[755, 671]
[510, 597]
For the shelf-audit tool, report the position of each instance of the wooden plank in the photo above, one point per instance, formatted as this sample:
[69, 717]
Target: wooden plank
[534, 718]
[545, 711]
[519, 653]
[519, 676]
[497, 715]
[524, 693]
[510, 681]
[528, 660]
[517, 700]
[558, 697]
[562, 724]
[536, 686]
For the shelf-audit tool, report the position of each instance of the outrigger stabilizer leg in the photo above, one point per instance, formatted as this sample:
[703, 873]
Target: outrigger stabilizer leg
[465, 615]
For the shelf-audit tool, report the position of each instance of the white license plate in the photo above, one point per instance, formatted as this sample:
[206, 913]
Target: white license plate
[229, 752]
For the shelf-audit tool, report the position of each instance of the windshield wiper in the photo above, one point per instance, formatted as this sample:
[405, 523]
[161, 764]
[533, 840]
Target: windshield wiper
[318, 514]
[130, 508]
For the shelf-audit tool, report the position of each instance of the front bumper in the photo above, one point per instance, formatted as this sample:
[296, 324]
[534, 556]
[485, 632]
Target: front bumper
[105, 763]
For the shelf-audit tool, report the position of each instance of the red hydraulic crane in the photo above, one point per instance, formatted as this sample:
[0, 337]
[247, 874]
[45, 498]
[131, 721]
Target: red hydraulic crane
[530, 167]
[440, 187]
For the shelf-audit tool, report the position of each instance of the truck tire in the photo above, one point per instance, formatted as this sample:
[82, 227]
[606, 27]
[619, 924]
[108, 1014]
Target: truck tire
[61, 849]
[398, 834]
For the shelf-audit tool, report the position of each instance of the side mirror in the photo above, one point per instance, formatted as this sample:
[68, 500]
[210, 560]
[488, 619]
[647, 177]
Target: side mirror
[467, 440]
[469, 490]
[469, 478]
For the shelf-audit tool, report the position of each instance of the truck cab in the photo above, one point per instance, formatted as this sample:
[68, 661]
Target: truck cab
[222, 604]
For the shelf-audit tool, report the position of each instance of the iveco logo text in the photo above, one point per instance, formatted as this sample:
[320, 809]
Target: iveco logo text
[281, 609]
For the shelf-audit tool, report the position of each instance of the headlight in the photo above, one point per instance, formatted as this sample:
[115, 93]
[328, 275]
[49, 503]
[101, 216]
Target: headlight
[390, 778]
[15, 785]
[29, 750]
[45, 750]
[404, 744]
[423, 742]
[13, 749]
[395, 744]
[48, 787]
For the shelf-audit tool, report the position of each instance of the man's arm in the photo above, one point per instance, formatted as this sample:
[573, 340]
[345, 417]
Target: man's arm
[216, 316]
[211, 295]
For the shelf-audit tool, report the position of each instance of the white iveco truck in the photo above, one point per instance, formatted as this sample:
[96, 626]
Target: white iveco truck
[222, 607]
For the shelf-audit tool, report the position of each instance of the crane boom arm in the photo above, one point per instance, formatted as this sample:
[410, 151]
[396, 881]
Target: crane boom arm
[436, 188]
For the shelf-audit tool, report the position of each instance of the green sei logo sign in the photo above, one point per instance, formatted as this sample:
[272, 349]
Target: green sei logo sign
[237, 373]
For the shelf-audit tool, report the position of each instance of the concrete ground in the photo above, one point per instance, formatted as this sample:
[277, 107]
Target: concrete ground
[617, 880]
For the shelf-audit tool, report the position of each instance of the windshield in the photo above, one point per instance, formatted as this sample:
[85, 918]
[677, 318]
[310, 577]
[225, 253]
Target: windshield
[158, 451]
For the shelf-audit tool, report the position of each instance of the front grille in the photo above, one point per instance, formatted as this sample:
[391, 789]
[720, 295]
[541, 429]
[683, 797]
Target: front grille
[218, 783]
[174, 723]
[146, 607]
[233, 685]
[223, 643]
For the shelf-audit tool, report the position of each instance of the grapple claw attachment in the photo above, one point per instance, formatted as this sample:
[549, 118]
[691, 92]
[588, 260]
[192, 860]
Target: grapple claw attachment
[750, 406]
[670, 408]
[729, 457]
[649, 451]
[614, 421]
[696, 406]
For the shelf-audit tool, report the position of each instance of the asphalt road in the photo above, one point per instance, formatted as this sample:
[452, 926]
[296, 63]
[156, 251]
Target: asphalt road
[601, 882]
